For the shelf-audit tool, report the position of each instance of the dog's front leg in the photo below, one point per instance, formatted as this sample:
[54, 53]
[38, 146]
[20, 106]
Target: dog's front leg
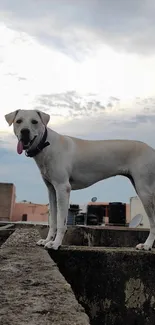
[52, 216]
[62, 196]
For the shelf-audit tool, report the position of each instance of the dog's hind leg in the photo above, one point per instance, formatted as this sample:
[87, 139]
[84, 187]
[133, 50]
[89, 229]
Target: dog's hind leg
[52, 215]
[148, 200]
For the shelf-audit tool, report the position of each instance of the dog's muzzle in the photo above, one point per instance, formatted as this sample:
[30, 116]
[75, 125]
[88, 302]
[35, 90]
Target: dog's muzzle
[25, 137]
[25, 141]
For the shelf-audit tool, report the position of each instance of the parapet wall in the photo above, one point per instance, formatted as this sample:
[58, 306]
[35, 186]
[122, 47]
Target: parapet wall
[115, 286]
[102, 236]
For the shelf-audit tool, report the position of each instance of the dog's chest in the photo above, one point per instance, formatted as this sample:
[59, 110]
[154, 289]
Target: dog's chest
[44, 171]
[42, 164]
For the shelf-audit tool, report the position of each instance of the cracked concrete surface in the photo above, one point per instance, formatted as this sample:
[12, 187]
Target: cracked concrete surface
[33, 291]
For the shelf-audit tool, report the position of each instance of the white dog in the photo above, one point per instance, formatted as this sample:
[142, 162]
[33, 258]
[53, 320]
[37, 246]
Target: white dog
[68, 163]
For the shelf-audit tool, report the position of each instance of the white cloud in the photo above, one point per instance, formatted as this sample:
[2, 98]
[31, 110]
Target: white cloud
[31, 71]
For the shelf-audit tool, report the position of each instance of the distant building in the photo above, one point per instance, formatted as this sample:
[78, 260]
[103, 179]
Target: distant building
[28, 211]
[7, 201]
[10, 210]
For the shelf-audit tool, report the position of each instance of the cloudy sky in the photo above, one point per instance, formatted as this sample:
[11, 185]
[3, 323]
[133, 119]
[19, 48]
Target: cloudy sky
[91, 65]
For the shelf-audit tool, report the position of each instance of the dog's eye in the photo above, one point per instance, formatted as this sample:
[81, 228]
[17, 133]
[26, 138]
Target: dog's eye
[34, 122]
[19, 121]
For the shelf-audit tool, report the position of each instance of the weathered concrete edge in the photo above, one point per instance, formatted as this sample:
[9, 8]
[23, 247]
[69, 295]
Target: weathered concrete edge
[25, 240]
[109, 250]
[103, 236]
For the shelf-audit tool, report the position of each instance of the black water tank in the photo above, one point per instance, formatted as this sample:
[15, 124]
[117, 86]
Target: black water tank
[92, 220]
[117, 213]
[80, 219]
[74, 207]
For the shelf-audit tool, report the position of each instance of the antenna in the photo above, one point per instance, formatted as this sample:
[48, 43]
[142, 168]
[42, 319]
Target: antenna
[94, 199]
[136, 221]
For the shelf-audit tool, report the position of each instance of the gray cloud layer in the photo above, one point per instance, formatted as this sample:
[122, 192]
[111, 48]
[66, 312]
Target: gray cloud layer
[71, 26]
[75, 105]
[71, 104]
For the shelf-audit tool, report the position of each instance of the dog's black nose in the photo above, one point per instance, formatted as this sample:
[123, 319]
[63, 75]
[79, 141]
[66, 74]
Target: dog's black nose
[25, 132]
[25, 135]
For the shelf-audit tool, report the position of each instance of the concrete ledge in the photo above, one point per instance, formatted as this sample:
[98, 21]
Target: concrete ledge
[94, 235]
[115, 285]
[105, 236]
[102, 236]
[113, 236]
[33, 291]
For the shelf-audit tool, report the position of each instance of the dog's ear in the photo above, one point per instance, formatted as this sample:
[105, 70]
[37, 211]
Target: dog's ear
[11, 117]
[44, 117]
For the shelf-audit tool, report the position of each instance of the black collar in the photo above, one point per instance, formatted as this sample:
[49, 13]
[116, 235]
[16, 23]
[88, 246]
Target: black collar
[42, 144]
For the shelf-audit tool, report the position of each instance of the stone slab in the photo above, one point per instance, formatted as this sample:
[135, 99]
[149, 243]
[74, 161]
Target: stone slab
[32, 290]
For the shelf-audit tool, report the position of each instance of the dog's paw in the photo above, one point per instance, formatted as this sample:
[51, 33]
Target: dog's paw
[143, 247]
[42, 242]
[52, 245]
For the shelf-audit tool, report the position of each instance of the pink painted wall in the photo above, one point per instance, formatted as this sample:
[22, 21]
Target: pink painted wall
[35, 212]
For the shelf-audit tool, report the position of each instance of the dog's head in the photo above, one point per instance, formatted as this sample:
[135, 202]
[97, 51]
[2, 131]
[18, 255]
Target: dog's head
[29, 126]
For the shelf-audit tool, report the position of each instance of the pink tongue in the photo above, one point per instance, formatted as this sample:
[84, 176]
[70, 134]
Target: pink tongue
[19, 147]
